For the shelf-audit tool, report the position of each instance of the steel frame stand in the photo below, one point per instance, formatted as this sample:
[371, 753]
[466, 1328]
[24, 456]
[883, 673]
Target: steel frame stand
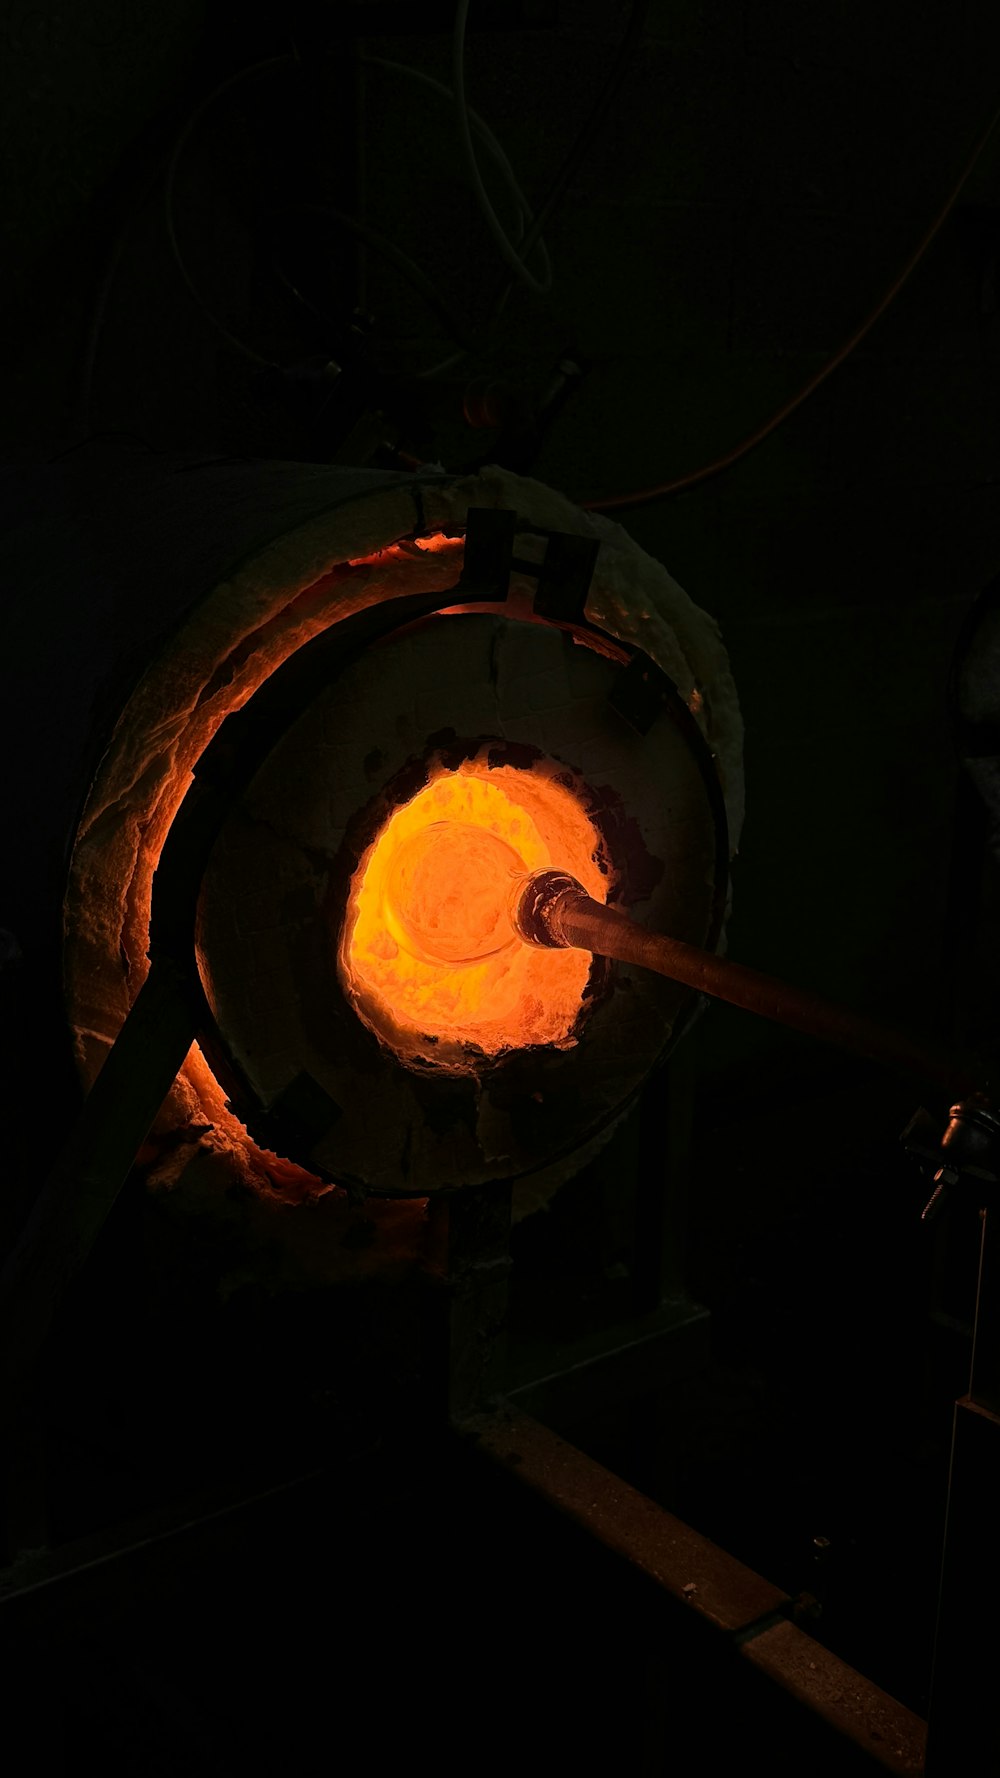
[964, 1719]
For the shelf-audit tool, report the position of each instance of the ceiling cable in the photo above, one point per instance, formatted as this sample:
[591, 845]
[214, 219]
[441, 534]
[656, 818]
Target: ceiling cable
[694, 478]
[482, 130]
[508, 251]
[580, 148]
[456, 323]
[184, 136]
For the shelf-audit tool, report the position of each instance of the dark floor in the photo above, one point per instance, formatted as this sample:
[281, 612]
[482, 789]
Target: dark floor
[394, 1599]
[815, 1444]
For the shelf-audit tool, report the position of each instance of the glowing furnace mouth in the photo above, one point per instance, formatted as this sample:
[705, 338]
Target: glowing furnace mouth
[428, 955]
[447, 893]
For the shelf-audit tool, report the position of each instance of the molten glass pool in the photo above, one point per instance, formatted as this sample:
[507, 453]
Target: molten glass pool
[428, 955]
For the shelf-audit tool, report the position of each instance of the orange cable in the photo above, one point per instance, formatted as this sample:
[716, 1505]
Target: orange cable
[695, 476]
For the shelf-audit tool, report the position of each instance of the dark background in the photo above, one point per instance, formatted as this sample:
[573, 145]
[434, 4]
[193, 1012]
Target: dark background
[762, 176]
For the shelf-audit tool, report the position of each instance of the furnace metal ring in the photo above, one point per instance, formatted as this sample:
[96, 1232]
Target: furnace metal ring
[301, 1121]
[632, 609]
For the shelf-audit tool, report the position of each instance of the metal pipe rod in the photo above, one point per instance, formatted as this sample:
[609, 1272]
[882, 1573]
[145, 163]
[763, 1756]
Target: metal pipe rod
[553, 909]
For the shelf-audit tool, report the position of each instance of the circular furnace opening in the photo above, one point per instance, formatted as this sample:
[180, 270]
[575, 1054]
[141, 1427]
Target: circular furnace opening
[428, 955]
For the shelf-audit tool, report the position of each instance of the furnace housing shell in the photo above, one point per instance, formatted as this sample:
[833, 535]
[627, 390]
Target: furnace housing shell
[221, 571]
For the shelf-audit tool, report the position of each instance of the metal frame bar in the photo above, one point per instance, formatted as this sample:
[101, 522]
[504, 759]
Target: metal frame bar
[964, 1727]
[677, 1589]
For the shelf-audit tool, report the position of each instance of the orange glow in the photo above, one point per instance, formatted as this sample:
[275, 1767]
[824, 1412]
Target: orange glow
[428, 955]
[439, 543]
[447, 890]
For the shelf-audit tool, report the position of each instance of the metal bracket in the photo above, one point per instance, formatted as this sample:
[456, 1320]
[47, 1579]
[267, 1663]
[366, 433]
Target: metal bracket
[564, 578]
[641, 693]
[489, 552]
[295, 1121]
[966, 1155]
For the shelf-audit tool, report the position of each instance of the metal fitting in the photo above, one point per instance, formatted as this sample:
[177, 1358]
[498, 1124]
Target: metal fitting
[535, 907]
